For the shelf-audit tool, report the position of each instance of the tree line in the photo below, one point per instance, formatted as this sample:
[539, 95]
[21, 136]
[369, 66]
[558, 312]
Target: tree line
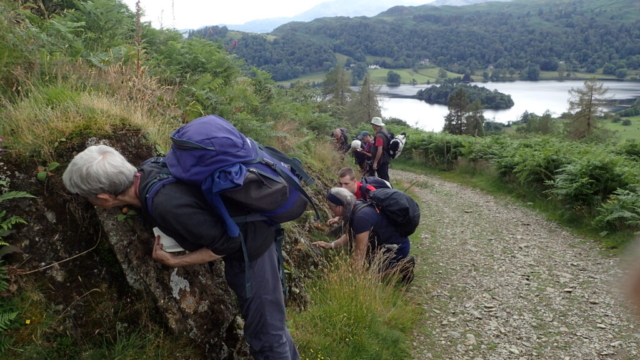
[521, 36]
[285, 57]
[439, 94]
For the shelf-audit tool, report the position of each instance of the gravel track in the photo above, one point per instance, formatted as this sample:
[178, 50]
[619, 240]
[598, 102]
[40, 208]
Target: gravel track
[500, 282]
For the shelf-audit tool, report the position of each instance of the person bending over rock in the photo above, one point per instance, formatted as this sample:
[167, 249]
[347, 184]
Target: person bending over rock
[105, 178]
[368, 229]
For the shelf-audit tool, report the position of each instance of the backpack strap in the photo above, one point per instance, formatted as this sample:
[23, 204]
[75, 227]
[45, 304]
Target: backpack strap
[296, 167]
[279, 241]
[373, 234]
[357, 209]
[294, 163]
[247, 267]
[364, 192]
[153, 186]
[387, 136]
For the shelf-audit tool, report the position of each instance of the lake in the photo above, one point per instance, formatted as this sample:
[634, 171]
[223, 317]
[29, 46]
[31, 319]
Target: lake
[532, 96]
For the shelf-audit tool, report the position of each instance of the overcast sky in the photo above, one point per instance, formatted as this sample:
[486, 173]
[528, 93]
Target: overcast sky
[192, 14]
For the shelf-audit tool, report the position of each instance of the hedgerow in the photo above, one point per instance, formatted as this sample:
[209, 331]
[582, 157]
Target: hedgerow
[598, 182]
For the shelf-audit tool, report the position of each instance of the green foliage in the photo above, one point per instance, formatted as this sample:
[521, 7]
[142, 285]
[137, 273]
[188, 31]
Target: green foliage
[436, 150]
[337, 92]
[632, 111]
[5, 343]
[393, 78]
[621, 210]
[364, 105]
[630, 148]
[7, 224]
[289, 56]
[354, 316]
[531, 73]
[586, 102]
[582, 178]
[100, 17]
[7, 313]
[536, 166]
[6, 318]
[586, 182]
[127, 215]
[45, 171]
[511, 35]
[440, 94]
[542, 125]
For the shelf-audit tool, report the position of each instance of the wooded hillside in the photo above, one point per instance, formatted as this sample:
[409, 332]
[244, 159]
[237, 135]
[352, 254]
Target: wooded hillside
[577, 35]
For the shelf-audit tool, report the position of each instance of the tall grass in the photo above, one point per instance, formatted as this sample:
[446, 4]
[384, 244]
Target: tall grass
[77, 99]
[354, 315]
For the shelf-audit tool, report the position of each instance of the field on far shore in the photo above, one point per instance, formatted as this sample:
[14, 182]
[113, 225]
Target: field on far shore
[630, 132]
[422, 76]
[621, 132]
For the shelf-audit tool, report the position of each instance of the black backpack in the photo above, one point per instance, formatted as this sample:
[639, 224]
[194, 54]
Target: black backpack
[401, 210]
[374, 181]
[391, 145]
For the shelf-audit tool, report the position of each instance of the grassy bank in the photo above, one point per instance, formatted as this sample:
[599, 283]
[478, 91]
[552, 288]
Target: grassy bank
[354, 315]
[55, 102]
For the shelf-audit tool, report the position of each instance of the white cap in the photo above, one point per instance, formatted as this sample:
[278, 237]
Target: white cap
[377, 121]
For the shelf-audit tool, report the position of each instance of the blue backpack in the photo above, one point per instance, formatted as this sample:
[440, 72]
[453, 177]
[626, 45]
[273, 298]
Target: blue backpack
[209, 152]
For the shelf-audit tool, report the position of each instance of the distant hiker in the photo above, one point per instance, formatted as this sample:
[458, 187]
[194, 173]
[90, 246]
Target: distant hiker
[357, 150]
[341, 137]
[367, 142]
[106, 179]
[369, 230]
[381, 149]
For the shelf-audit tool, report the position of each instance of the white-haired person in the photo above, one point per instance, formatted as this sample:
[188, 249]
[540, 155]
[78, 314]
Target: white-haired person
[368, 229]
[103, 176]
[357, 150]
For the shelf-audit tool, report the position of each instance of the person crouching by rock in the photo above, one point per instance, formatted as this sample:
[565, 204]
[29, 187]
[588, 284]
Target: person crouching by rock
[105, 178]
[357, 150]
[347, 180]
[369, 230]
[367, 145]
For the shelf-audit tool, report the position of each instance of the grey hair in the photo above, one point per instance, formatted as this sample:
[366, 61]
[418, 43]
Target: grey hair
[99, 170]
[347, 198]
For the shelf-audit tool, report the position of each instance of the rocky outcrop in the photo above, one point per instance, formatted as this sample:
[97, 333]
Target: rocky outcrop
[194, 300]
[102, 272]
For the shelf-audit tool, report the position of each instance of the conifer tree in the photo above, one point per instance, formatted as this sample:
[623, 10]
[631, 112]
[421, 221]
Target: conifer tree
[364, 105]
[455, 121]
[474, 119]
[336, 91]
[586, 102]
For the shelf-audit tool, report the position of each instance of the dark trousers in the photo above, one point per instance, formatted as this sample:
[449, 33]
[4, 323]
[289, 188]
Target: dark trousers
[264, 313]
[383, 171]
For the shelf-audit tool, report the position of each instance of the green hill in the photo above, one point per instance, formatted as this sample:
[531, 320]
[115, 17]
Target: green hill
[577, 35]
